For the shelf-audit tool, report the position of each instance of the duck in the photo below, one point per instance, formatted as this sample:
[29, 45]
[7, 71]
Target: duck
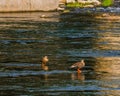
[44, 61]
[78, 65]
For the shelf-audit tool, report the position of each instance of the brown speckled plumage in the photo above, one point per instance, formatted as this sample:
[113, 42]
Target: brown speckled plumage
[78, 65]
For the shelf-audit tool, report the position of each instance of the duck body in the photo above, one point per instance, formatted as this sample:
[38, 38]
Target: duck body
[45, 60]
[78, 66]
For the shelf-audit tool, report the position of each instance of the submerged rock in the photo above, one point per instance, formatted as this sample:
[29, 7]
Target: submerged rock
[95, 10]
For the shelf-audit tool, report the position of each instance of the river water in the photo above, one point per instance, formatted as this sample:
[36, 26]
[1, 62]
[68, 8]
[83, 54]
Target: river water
[26, 37]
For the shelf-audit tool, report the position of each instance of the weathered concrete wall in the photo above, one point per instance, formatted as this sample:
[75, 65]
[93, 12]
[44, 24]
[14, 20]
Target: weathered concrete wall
[28, 5]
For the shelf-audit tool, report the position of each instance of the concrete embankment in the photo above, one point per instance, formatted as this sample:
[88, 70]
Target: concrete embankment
[28, 5]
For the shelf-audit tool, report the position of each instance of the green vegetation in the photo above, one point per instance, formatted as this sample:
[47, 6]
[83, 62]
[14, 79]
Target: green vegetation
[104, 3]
[76, 4]
[107, 3]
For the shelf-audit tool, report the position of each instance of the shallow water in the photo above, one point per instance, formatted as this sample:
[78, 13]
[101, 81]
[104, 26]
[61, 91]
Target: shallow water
[26, 37]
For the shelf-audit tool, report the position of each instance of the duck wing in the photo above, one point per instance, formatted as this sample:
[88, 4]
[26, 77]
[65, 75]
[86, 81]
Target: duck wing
[78, 65]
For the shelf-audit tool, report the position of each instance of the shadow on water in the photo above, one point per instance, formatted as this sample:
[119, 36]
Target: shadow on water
[26, 37]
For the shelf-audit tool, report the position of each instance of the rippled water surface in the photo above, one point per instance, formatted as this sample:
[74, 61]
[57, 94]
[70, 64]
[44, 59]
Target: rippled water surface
[26, 37]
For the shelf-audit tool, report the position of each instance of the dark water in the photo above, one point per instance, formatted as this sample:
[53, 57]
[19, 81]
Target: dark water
[25, 38]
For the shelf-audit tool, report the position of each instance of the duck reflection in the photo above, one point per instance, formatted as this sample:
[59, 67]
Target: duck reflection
[46, 77]
[79, 76]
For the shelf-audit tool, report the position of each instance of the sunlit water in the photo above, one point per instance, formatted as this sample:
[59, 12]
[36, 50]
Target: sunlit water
[26, 37]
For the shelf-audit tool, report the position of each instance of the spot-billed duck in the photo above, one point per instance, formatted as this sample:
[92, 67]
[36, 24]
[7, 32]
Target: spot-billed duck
[44, 61]
[78, 65]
